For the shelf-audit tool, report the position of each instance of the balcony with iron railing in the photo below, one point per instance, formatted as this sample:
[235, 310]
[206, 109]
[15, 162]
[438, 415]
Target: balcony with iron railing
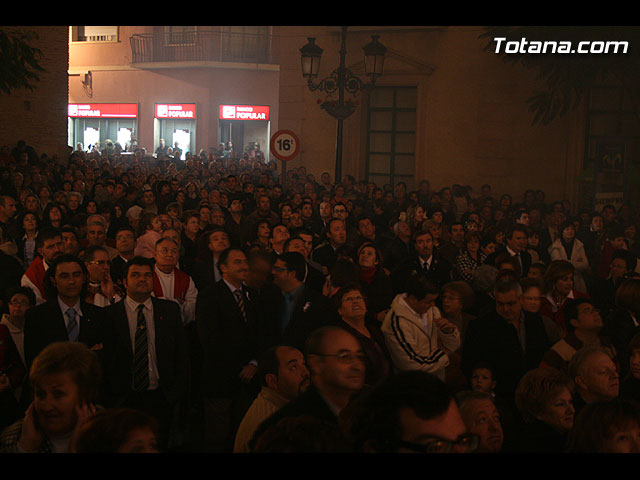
[201, 46]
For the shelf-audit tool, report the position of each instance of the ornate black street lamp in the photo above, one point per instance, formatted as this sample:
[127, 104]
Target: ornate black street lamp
[341, 80]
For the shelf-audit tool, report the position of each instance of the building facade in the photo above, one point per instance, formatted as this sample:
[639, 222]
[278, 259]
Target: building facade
[194, 86]
[446, 109]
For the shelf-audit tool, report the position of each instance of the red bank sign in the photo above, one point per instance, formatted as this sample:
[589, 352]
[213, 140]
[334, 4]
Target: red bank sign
[103, 110]
[185, 111]
[244, 112]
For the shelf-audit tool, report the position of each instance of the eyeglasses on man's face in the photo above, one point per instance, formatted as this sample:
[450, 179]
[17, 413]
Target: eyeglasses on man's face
[100, 262]
[465, 443]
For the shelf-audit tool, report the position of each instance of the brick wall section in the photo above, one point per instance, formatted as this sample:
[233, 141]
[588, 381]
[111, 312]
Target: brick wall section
[39, 116]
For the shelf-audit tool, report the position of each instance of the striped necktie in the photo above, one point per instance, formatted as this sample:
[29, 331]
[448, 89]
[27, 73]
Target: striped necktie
[141, 354]
[240, 299]
[72, 325]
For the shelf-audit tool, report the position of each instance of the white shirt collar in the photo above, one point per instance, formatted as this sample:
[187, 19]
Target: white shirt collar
[231, 287]
[64, 307]
[424, 262]
[133, 305]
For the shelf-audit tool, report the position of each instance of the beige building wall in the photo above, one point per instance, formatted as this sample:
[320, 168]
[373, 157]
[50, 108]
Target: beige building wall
[39, 116]
[473, 124]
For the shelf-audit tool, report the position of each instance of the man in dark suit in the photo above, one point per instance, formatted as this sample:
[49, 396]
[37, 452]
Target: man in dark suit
[516, 238]
[314, 278]
[509, 339]
[149, 369]
[366, 232]
[302, 309]
[336, 362]
[426, 260]
[400, 248]
[66, 316]
[227, 321]
[125, 244]
[336, 236]
[207, 271]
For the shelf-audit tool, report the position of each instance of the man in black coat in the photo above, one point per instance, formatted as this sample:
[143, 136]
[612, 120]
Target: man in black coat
[66, 316]
[425, 260]
[516, 238]
[509, 339]
[336, 237]
[149, 368]
[227, 321]
[301, 309]
[314, 278]
[336, 363]
[206, 271]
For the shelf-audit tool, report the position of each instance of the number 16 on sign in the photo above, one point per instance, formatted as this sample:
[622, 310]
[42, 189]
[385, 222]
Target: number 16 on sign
[284, 146]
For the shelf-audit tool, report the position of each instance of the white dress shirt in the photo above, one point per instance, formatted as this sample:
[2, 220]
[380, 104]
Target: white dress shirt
[131, 307]
[64, 307]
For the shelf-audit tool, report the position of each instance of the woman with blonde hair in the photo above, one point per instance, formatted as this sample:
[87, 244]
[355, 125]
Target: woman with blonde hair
[543, 398]
[65, 378]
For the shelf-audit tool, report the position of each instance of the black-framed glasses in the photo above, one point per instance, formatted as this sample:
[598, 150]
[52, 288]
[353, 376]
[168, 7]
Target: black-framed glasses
[345, 357]
[466, 442]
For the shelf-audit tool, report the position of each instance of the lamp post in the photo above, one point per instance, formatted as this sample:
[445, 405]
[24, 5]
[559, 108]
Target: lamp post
[341, 80]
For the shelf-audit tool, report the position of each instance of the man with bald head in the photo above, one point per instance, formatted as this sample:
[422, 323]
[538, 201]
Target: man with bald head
[172, 283]
[336, 362]
[594, 375]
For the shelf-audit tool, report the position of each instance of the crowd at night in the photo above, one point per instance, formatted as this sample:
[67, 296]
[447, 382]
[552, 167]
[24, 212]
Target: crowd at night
[221, 304]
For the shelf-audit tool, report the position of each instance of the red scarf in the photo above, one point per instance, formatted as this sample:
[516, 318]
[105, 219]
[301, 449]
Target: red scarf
[180, 284]
[35, 273]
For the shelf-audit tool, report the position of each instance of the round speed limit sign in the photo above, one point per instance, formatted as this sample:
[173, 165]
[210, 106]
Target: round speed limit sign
[284, 145]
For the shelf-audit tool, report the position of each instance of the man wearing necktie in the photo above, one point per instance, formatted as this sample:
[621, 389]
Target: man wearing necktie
[65, 316]
[516, 246]
[425, 259]
[227, 322]
[150, 368]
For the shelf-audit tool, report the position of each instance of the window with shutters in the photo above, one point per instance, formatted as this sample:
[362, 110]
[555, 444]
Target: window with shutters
[100, 33]
[179, 35]
[391, 135]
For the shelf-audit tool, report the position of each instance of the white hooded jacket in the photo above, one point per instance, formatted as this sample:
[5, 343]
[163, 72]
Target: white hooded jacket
[411, 346]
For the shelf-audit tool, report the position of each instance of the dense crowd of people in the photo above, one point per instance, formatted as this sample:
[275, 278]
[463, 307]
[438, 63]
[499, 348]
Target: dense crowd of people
[214, 305]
